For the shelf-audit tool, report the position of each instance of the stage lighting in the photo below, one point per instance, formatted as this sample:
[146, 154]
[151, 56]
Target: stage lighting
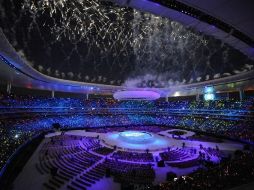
[135, 137]
[208, 97]
[209, 90]
[176, 94]
[209, 93]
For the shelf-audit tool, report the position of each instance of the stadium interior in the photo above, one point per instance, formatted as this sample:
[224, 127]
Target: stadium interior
[126, 94]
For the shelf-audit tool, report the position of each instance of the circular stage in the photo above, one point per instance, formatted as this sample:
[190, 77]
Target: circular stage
[136, 140]
[135, 137]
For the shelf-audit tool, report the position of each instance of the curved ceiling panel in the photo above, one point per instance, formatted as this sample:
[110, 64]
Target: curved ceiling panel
[20, 73]
[233, 18]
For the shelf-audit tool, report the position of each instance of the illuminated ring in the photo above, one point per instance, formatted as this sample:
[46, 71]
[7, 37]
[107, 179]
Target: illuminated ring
[136, 95]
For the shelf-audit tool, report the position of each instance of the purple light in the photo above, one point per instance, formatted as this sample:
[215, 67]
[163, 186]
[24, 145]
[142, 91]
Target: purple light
[136, 95]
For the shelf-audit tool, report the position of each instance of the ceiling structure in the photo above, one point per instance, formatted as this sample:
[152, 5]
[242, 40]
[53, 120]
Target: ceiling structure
[14, 68]
[228, 20]
[238, 14]
[16, 71]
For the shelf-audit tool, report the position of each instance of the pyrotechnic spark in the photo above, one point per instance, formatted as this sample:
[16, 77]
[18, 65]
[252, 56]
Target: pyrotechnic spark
[104, 39]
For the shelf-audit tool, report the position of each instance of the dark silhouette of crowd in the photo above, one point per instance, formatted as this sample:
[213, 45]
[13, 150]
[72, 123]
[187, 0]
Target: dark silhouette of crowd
[229, 173]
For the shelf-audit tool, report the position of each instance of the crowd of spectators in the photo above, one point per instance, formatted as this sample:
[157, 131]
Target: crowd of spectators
[28, 101]
[39, 113]
[227, 174]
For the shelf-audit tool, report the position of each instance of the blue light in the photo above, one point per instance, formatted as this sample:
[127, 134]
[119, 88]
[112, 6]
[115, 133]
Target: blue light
[16, 136]
[209, 90]
[135, 137]
[209, 93]
[209, 97]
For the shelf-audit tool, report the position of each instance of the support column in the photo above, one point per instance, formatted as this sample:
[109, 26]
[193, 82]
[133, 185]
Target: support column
[197, 97]
[8, 89]
[166, 98]
[241, 94]
[87, 96]
[227, 96]
[52, 94]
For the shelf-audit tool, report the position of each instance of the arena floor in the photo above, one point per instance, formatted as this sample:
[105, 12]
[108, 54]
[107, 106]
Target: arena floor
[160, 141]
[127, 140]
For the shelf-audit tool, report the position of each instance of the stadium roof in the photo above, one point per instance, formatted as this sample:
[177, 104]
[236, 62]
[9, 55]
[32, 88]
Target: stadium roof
[15, 69]
[238, 14]
[228, 20]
